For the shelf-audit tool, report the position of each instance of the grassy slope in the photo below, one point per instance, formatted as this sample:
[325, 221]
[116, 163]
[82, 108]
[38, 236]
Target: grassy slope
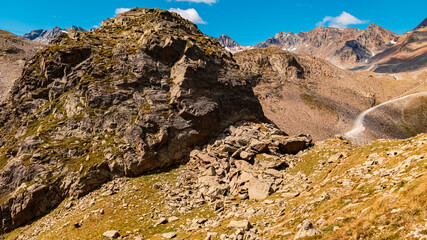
[360, 204]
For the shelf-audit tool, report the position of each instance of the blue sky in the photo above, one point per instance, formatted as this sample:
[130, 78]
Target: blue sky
[246, 21]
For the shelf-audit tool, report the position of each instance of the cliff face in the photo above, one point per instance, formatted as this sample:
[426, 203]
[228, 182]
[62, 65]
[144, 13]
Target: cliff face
[137, 94]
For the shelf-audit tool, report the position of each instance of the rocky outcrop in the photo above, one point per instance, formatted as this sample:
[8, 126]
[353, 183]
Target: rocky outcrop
[353, 51]
[137, 94]
[46, 36]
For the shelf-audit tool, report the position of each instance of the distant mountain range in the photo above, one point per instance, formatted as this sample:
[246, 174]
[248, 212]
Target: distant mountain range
[45, 36]
[231, 45]
[347, 48]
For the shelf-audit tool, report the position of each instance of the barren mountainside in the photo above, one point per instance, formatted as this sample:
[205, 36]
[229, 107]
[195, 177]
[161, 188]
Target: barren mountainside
[409, 54]
[14, 51]
[302, 94]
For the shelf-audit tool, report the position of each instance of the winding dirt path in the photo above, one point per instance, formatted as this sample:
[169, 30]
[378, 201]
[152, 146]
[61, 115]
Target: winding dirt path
[356, 133]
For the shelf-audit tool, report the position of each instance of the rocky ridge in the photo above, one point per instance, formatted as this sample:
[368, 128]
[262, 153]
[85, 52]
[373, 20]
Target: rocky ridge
[137, 94]
[346, 48]
[46, 36]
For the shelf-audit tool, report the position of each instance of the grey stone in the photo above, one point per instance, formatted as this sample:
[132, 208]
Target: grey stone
[169, 235]
[111, 234]
[259, 189]
[244, 224]
[307, 230]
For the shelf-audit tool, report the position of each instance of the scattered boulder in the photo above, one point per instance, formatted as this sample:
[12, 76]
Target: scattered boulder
[307, 230]
[293, 146]
[259, 189]
[169, 235]
[244, 225]
[111, 234]
[215, 173]
[173, 219]
[161, 221]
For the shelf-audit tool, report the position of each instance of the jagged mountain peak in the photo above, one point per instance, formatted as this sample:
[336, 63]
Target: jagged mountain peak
[373, 25]
[230, 45]
[377, 38]
[227, 41]
[376, 27]
[46, 36]
[225, 36]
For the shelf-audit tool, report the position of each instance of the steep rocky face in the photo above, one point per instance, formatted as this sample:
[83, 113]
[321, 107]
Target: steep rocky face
[376, 38]
[305, 95]
[45, 36]
[14, 51]
[372, 41]
[353, 52]
[137, 94]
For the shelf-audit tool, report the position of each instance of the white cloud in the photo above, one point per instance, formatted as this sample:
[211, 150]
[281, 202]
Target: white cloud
[190, 14]
[341, 21]
[199, 1]
[121, 10]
